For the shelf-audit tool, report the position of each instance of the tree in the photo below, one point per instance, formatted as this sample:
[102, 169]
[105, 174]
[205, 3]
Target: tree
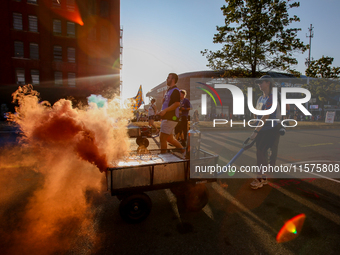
[321, 68]
[324, 90]
[256, 36]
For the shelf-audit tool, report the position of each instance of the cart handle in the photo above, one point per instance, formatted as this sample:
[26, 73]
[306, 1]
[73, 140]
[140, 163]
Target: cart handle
[248, 144]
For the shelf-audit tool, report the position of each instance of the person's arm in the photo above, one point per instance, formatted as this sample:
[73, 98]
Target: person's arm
[259, 126]
[170, 108]
[175, 98]
[187, 106]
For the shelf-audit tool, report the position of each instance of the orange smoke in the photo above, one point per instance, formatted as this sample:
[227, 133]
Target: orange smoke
[45, 181]
[87, 150]
[62, 125]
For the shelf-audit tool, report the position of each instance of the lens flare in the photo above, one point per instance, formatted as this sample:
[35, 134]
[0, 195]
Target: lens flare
[291, 229]
[70, 13]
[94, 31]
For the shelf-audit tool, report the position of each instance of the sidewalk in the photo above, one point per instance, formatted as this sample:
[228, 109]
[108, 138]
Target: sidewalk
[208, 125]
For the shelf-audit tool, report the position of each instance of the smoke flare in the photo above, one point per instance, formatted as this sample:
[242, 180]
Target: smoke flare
[51, 174]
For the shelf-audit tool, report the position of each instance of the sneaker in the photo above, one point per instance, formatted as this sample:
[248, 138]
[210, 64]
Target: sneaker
[256, 184]
[264, 180]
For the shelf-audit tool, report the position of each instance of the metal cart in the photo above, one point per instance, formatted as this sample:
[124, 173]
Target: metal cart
[138, 173]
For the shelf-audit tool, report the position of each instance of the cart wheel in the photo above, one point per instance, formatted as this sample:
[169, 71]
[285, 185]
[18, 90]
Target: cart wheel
[121, 196]
[145, 142]
[139, 140]
[135, 208]
[179, 190]
[196, 198]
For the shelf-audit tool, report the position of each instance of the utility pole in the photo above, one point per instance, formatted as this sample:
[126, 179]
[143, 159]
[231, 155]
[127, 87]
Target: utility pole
[311, 35]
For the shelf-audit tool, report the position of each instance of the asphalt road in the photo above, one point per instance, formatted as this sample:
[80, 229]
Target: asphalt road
[237, 219]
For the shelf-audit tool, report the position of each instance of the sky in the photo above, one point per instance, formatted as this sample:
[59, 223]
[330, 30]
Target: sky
[160, 37]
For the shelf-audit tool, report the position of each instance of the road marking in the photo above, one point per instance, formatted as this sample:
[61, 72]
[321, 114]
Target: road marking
[259, 227]
[314, 145]
[207, 210]
[313, 162]
[324, 177]
[237, 203]
[173, 201]
[327, 214]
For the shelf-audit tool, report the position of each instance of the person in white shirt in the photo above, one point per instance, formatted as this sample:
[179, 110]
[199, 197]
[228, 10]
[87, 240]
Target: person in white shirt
[152, 113]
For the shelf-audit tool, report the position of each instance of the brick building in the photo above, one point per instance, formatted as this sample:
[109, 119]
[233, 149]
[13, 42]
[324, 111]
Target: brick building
[65, 48]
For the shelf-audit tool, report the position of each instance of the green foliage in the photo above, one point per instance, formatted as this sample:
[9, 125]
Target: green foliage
[323, 90]
[321, 68]
[255, 36]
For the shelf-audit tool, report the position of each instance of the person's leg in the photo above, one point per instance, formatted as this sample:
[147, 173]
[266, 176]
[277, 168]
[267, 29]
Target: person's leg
[167, 135]
[178, 131]
[261, 159]
[152, 124]
[266, 142]
[150, 121]
[171, 139]
[163, 140]
[185, 128]
[274, 146]
[261, 149]
[157, 131]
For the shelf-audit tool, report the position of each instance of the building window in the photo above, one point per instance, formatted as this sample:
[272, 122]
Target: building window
[104, 9]
[18, 49]
[104, 35]
[58, 78]
[35, 77]
[32, 1]
[70, 5]
[92, 35]
[17, 21]
[56, 3]
[57, 26]
[71, 55]
[57, 53]
[34, 51]
[71, 79]
[32, 23]
[92, 7]
[20, 76]
[71, 29]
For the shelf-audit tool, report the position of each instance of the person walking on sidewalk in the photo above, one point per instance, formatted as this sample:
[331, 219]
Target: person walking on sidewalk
[182, 127]
[267, 134]
[151, 114]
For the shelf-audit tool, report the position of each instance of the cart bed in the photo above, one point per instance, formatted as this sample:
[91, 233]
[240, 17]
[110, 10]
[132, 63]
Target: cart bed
[152, 171]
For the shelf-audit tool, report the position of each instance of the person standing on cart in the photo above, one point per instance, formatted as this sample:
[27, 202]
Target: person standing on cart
[170, 113]
[267, 136]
